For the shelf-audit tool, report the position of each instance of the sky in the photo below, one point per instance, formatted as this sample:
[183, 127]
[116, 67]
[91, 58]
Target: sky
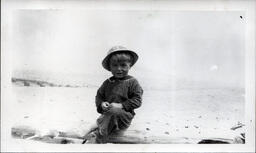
[193, 45]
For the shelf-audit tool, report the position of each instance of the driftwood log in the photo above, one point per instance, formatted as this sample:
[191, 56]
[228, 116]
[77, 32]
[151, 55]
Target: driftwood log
[129, 137]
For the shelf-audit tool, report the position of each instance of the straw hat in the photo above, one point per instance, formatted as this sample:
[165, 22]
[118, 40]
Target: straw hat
[118, 49]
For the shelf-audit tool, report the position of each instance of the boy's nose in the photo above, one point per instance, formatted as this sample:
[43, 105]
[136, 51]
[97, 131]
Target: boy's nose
[119, 68]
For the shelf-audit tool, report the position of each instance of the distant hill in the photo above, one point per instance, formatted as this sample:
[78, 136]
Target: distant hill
[54, 79]
[146, 79]
[38, 83]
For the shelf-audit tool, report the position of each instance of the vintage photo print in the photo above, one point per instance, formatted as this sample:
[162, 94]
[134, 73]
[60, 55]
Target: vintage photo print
[93, 76]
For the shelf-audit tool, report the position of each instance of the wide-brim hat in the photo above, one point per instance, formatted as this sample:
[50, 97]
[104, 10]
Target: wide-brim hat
[118, 49]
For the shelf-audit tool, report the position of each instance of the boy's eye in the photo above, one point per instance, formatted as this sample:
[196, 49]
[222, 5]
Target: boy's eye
[114, 65]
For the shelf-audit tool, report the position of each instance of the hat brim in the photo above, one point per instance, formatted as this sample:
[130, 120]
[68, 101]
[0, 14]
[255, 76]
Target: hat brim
[105, 62]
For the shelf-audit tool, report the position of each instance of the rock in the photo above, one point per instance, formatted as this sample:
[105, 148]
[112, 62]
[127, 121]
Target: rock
[70, 135]
[239, 140]
[26, 83]
[22, 132]
[55, 140]
[40, 84]
[213, 141]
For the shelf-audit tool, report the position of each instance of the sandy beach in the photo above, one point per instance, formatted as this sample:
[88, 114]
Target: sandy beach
[166, 116]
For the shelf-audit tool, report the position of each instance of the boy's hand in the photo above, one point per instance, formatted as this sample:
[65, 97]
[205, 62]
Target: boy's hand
[116, 105]
[105, 105]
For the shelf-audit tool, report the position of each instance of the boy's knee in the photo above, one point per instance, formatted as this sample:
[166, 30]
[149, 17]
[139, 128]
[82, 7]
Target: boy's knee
[103, 132]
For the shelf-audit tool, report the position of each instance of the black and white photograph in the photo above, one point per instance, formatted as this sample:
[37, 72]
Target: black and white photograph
[86, 74]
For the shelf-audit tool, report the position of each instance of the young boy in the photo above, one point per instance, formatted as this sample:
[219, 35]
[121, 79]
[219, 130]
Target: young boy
[118, 96]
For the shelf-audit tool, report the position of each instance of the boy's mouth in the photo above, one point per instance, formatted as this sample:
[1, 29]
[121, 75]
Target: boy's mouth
[119, 74]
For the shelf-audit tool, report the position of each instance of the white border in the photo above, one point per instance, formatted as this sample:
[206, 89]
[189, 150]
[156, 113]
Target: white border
[8, 6]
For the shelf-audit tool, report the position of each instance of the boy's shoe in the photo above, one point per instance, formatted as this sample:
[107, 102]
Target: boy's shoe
[90, 138]
[94, 137]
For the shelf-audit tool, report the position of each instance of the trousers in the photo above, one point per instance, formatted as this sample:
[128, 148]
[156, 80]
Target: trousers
[113, 121]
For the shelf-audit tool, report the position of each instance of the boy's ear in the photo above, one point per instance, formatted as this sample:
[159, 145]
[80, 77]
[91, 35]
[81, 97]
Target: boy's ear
[130, 65]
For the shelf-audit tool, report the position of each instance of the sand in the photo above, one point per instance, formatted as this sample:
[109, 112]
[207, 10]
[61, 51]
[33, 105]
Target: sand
[189, 113]
[177, 116]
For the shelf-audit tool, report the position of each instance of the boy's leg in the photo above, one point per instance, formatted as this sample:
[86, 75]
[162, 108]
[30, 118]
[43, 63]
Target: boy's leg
[93, 135]
[112, 122]
[121, 118]
[105, 124]
[89, 135]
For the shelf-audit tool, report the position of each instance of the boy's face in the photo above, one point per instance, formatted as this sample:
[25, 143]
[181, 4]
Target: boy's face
[119, 68]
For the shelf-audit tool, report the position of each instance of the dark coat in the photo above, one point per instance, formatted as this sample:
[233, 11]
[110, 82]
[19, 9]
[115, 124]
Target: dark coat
[126, 91]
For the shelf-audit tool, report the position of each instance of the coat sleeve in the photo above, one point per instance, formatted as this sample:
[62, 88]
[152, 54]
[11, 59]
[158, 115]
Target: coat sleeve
[135, 97]
[100, 97]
